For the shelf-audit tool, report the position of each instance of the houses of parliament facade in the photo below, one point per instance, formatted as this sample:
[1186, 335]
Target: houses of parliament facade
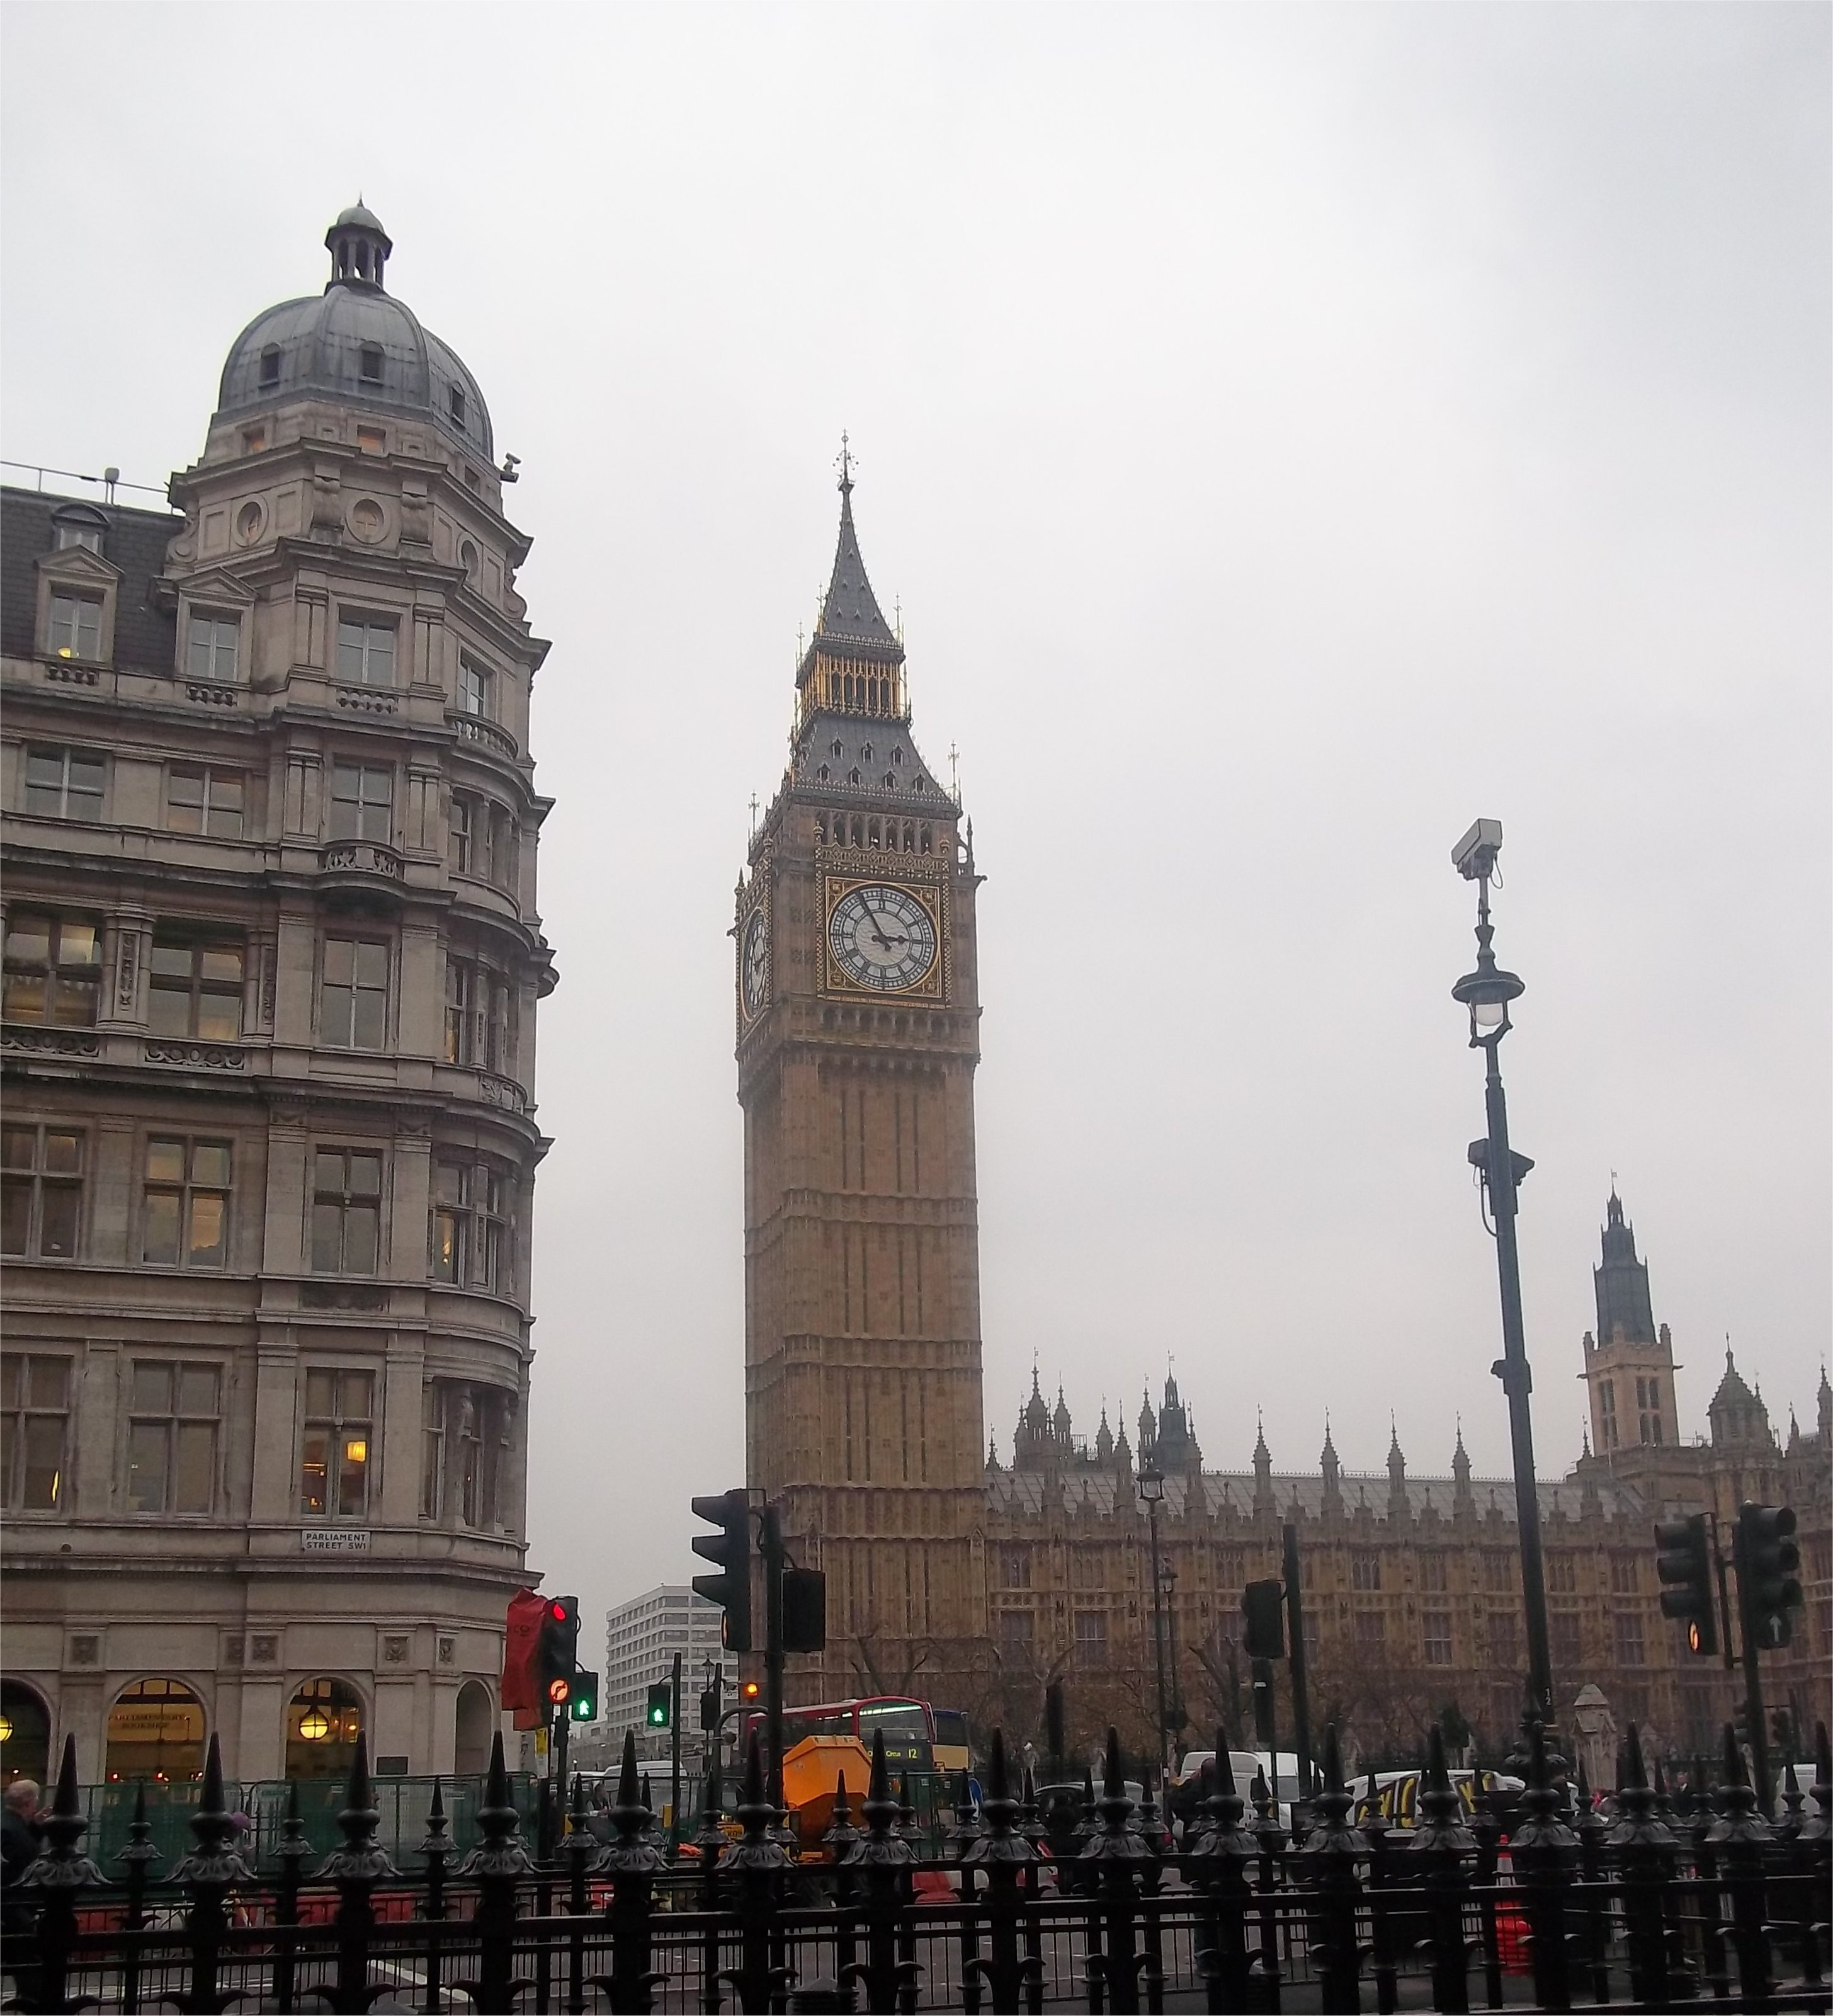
[975, 1579]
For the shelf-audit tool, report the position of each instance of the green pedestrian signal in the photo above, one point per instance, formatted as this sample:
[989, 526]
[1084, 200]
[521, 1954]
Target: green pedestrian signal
[584, 1706]
[657, 1714]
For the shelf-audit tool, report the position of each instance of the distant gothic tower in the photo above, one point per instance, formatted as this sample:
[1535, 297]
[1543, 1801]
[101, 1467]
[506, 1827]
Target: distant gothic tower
[1629, 1362]
[858, 1037]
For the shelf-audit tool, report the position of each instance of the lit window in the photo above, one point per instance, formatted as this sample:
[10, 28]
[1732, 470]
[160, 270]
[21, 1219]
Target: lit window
[53, 969]
[41, 1192]
[76, 626]
[365, 652]
[64, 783]
[477, 1017]
[194, 989]
[211, 647]
[472, 1230]
[173, 1417]
[362, 798]
[198, 800]
[339, 1437]
[185, 1210]
[347, 1211]
[353, 998]
[34, 1426]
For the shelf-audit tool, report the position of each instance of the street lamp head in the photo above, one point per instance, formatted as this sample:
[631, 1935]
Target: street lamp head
[1486, 993]
[1151, 1488]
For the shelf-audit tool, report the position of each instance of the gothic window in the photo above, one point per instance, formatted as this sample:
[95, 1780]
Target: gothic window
[1562, 1575]
[865, 755]
[1365, 1570]
[871, 834]
[838, 750]
[194, 988]
[185, 1205]
[822, 774]
[34, 1423]
[1563, 1629]
[852, 776]
[1437, 1625]
[1498, 1571]
[927, 841]
[1371, 1629]
[1091, 1637]
[41, 1192]
[347, 1211]
[174, 1415]
[1625, 1627]
[53, 969]
[64, 783]
[1431, 1573]
[1504, 1638]
[205, 801]
[1017, 1632]
[896, 755]
[1014, 1567]
[1623, 1575]
[1607, 1413]
[335, 1449]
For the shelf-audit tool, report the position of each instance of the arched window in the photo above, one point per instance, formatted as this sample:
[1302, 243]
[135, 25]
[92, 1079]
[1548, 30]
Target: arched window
[852, 776]
[837, 750]
[25, 1734]
[865, 753]
[871, 834]
[858, 829]
[475, 1723]
[928, 841]
[822, 774]
[156, 1732]
[910, 840]
[324, 1719]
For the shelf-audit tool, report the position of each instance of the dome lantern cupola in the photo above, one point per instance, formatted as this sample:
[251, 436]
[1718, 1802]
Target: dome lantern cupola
[359, 248]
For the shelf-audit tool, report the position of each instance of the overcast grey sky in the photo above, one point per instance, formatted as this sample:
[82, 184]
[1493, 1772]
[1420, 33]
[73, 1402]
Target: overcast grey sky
[1290, 433]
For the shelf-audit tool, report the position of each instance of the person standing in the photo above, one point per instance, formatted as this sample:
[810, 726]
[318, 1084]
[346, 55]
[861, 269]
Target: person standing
[21, 1839]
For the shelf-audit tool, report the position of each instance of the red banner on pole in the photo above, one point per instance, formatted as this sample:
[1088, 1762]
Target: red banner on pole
[521, 1647]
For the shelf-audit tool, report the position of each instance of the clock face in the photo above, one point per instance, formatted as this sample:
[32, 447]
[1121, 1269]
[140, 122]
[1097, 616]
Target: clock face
[882, 938]
[754, 963]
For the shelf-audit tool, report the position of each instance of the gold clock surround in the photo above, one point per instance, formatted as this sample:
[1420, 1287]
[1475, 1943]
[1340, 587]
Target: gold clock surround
[928, 892]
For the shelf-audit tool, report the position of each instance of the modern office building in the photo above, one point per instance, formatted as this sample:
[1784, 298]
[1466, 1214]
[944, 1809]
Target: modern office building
[642, 1638]
[272, 962]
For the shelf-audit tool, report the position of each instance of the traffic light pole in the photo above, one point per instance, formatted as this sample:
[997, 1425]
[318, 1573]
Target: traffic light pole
[1301, 1699]
[1753, 1691]
[771, 1547]
[674, 1765]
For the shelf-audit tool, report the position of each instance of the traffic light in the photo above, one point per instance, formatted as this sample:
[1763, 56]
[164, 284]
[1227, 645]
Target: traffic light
[731, 1547]
[711, 1699]
[584, 1706]
[1682, 1561]
[750, 1693]
[1768, 1563]
[557, 1659]
[805, 1610]
[656, 1715]
[1263, 1605]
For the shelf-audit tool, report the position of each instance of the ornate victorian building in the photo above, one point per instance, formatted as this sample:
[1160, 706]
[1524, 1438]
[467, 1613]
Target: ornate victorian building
[272, 960]
[976, 1581]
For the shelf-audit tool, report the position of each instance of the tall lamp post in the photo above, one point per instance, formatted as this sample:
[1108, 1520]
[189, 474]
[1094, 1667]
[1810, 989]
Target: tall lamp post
[1152, 1495]
[1486, 993]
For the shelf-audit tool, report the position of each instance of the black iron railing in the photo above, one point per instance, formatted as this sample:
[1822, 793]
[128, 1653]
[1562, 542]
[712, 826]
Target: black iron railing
[1662, 1900]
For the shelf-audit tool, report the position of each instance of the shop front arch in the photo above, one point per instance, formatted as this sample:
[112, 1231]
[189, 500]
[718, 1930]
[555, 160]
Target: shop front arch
[324, 1718]
[476, 1722]
[156, 1732]
[25, 1735]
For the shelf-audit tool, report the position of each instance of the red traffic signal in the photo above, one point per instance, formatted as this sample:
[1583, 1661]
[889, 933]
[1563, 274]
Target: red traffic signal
[558, 1659]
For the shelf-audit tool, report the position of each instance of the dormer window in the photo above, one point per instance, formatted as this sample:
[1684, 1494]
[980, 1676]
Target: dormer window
[369, 364]
[838, 751]
[75, 630]
[210, 646]
[270, 367]
[865, 755]
[456, 397]
[68, 534]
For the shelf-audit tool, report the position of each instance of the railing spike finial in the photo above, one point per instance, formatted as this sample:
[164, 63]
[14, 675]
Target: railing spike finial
[626, 1771]
[1437, 1776]
[1333, 1760]
[998, 1781]
[1635, 1771]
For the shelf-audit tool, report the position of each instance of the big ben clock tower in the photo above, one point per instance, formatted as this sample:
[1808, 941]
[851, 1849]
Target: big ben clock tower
[857, 1018]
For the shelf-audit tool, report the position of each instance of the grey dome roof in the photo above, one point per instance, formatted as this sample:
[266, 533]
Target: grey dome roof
[317, 344]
